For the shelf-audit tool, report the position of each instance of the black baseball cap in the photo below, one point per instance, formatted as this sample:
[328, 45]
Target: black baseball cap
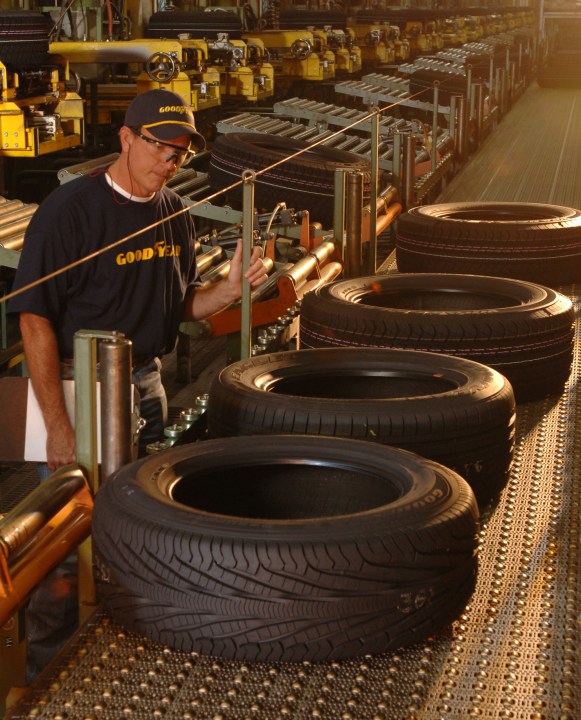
[165, 115]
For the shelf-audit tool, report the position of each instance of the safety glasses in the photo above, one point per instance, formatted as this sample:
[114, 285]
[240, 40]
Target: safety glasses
[180, 155]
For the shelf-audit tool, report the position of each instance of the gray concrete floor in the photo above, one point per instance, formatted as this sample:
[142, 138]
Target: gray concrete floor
[533, 155]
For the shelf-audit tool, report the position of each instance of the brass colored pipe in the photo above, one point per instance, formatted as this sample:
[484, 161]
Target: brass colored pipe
[14, 242]
[32, 513]
[393, 211]
[204, 262]
[50, 549]
[329, 272]
[18, 213]
[10, 206]
[353, 217]
[304, 267]
[117, 447]
[40, 532]
[15, 227]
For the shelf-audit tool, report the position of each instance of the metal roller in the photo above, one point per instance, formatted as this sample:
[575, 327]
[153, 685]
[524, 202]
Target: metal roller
[40, 532]
[13, 243]
[9, 206]
[207, 259]
[16, 222]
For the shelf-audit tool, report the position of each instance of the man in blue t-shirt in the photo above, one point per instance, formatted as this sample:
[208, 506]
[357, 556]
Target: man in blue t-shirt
[143, 287]
[140, 279]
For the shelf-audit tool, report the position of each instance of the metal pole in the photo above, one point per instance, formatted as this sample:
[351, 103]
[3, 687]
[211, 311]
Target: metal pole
[434, 152]
[453, 119]
[354, 212]
[374, 151]
[410, 169]
[469, 96]
[85, 361]
[85, 358]
[339, 211]
[396, 161]
[461, 144]
[248, 178]
[491, 88]
[116, 406]
[478, 110]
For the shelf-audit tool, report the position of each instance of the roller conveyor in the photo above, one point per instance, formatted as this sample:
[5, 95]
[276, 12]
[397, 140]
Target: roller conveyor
[336, 115]
[377, 95]
[321, 115]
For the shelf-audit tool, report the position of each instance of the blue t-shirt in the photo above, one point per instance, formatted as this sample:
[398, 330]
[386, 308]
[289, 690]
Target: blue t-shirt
[136, 287]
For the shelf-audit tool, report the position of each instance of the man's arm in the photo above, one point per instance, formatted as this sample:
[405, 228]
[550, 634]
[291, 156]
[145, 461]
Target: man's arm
[201, 302]
[42, 359]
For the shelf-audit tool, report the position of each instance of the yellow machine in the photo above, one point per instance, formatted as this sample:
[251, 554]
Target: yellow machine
[402, 47]
[163, 63]
[348, 60]
[452, 33]
[297, 54]
[38, 115]
[375, 44]
[433, 29]
[420, 42]
[474, 28]
[242, 66]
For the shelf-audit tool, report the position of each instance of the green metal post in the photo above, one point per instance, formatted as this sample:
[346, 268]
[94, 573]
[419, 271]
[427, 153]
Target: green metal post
[372, 255]
[248, 178]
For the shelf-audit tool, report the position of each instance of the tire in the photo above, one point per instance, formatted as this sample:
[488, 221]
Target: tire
[306, 182]
[451, 410]
[527, 241]
[299, 19]
[199, 24]
[24, 39]
[422, 81]
[523, 330]
[302, 548]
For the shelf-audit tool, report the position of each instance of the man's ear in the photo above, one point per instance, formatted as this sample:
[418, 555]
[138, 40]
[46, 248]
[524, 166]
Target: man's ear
[126, 137]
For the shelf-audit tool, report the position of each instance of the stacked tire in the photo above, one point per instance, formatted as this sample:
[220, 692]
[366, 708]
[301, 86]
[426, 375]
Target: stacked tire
[197, 24]
[306, 181]
[458, 413]
[24, 39]
[523, 330]
[537, 242]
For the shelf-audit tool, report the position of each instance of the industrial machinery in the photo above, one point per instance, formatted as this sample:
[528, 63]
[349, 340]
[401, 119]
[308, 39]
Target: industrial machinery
[454, 32]
[243, 66]
[297, 54]
[40, 110]
[39, 114]
[165, 63]
[347, 53]
[420, 42]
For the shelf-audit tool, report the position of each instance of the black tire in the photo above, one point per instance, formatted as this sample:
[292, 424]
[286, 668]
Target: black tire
[299, 19]
[528, 241]
[293, 549]
[199, 24]
[451, 410]
[24, 39]
[523, 330]
[422, 81]
[306, 182]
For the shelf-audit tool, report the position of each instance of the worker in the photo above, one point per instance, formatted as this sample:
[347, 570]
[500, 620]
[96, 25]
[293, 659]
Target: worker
[142, 287]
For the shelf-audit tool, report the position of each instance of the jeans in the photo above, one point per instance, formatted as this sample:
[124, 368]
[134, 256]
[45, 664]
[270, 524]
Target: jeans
[153, 403]
[52, 612]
